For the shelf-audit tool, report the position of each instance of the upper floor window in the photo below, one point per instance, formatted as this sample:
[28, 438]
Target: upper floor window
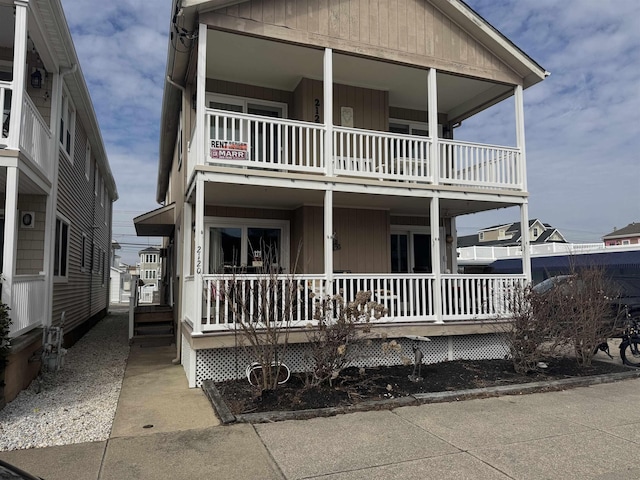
[61, 249]
[150, 258]
[406, 127]
[67, 124]
[87, 161]
[96, 181]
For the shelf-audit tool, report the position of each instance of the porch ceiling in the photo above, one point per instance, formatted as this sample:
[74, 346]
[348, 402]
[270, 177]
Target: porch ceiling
[281, 66]
[26, 186]
[252, 196]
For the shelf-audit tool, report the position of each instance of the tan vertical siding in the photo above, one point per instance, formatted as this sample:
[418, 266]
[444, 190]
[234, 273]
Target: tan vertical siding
[410, 30]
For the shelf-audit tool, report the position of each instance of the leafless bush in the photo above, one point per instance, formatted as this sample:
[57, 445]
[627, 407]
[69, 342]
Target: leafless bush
[341, 327]
[261, 311]
[533, 334]
[583, 308]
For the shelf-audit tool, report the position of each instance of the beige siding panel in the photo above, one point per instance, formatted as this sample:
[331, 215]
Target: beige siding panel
[30, 244]
[411, 220]
[411, 31]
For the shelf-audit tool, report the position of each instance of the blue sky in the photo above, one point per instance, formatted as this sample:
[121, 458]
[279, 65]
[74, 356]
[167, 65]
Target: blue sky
[582, 123]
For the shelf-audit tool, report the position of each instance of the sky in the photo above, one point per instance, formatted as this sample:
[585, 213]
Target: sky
[582, 124]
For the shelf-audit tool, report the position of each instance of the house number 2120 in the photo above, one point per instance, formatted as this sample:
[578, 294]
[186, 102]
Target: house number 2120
[316, 117]
[199, 260]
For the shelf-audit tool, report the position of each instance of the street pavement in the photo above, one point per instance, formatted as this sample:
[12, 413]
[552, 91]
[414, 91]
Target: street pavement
[164, 430]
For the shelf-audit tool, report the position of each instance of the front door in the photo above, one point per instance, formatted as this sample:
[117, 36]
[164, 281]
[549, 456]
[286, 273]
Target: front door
[410, 252]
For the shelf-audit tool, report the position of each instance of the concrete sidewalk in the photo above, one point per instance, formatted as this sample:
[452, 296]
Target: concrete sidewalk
[582, 433]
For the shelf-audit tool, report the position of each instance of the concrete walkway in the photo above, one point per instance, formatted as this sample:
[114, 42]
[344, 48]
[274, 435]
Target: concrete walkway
[584, 433]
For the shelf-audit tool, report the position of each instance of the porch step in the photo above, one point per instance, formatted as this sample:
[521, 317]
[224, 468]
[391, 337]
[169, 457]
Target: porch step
[153, 340]
[154, 328]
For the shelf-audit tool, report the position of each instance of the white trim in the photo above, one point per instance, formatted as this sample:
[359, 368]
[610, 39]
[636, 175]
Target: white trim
[244, 224]
[68, 116]
[245, 101]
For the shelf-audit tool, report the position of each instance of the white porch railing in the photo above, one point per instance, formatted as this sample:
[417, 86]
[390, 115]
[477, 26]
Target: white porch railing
[5, 106]
[383, 155]
[255, 141]
[35, 137]
[407, 298]
[474, 164]
[271, 143]
[28, 300]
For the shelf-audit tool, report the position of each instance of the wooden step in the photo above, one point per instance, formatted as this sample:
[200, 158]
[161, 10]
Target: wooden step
[152, 317]
[157, 328]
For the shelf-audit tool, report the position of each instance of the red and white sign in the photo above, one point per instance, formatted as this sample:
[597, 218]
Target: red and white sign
[226, 150]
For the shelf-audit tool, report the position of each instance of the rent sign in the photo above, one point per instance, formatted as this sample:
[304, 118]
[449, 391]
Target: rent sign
[227, 150]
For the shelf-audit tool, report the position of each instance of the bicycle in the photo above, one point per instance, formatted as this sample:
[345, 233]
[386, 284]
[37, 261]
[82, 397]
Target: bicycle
[630, 344]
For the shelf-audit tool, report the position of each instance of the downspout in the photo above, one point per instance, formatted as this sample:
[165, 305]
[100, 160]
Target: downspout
[51, 217]
[178, 359]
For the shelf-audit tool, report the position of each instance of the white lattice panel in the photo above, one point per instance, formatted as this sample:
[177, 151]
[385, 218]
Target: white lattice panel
[479, 347]
[229, 363]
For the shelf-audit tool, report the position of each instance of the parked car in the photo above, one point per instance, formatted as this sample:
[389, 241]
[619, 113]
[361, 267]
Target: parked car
[625, 291]
[9, 472]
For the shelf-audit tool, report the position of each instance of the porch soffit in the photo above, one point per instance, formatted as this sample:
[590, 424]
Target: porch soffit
[156, 223]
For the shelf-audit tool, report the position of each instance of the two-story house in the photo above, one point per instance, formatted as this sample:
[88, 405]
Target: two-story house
[319, 137]
[629, 235]
[56, 187]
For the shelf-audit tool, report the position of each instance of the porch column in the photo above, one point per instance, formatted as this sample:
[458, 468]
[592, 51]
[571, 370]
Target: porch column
[526, 249]
[198, 261]
[520, 143]
[328, 239]
[434, 223]
[328, 111]
[201, 89]
[19, 74]
[432, 116]
[10, 234]
[453, 247]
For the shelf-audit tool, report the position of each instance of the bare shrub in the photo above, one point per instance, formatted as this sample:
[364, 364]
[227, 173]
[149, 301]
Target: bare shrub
[341, 327]
[533, 333]
[583, 308]
[261, 311]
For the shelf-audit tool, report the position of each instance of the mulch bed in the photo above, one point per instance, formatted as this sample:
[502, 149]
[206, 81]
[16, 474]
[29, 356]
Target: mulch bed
[383, 383]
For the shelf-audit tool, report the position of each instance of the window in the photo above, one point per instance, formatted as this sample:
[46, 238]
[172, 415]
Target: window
[149, 274]
[101, 191]
[61, 249]
[262, 145]
[626, 242]
[253, 244]
[67, 124]
[96, 181]
[83, 254]
[535, 232]
[481, 236]
[150, 258]
[87, 161]
[406, 127]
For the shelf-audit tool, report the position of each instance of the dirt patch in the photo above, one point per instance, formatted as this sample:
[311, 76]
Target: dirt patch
[355, 386]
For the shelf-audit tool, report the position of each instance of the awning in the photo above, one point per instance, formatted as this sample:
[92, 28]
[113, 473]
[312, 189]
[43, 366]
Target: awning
[156, 223]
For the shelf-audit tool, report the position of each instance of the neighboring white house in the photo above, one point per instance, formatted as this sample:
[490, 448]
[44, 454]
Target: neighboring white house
[317, 138]
[56, 187]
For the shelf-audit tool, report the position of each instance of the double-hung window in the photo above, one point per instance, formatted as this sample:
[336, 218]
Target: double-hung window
[67, 124]
[61, 249]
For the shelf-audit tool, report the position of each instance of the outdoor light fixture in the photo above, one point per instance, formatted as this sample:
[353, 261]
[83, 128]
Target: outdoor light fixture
[36, 79]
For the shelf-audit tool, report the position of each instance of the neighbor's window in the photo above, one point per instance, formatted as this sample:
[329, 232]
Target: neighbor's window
[83, 254]
[67, 124]
[61, 250]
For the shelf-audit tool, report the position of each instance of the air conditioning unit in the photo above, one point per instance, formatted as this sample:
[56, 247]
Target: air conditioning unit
[27, 219]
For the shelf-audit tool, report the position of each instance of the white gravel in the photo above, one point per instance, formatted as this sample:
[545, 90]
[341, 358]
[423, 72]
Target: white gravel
[78, 403]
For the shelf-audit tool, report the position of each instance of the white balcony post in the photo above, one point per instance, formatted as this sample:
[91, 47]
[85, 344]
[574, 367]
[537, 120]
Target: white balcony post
[19, 73]
[328, 239]
[454, 246]
[198, 261]
[520, 143]
[432, 106]
[328, 111]
[526, 250]
[10, 234]
[201, 89]
[434, 222]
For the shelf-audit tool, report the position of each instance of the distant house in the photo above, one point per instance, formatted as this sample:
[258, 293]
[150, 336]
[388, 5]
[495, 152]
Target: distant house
[629, 235]
[56, 188]
[510, 235]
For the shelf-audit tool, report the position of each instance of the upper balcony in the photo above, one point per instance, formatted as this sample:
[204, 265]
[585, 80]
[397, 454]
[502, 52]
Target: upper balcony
[267, 112]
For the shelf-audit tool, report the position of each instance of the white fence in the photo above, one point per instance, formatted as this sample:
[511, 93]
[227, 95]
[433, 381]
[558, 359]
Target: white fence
[227, 299]
[27, 303]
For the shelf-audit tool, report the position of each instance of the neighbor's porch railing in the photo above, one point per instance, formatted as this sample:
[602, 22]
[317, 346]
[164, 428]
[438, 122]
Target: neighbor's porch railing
[407, 298]
[35, 135]
[28, 302]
